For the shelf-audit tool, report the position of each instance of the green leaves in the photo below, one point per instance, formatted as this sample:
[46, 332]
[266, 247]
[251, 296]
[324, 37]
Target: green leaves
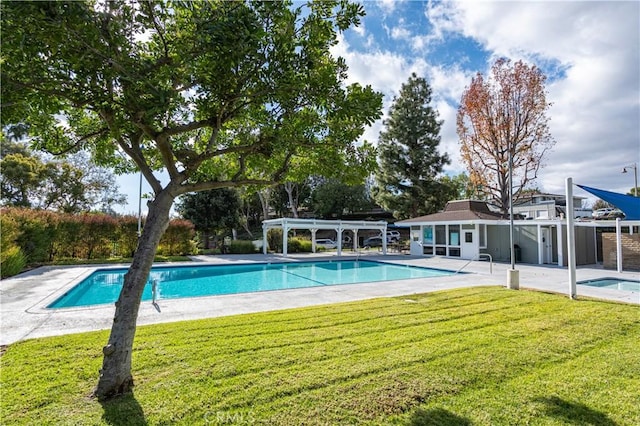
[410, 163]
[189, 82]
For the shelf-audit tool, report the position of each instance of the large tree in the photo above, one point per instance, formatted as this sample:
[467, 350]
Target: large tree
[500, 119]
[211, 211]
[332, 198]
[407, 180]
[290, 196]
[217, 94]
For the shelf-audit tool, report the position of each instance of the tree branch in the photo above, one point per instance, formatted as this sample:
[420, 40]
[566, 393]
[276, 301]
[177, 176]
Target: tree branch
[155, 25]
[134, 151]
[194, 125]
[205, 186]
[80, 141]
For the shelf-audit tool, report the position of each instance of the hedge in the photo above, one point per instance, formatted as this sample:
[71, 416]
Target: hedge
[242, 247]
[178, 238]
[298, 245]
[12, 258]
[294, 244]
[34, 237]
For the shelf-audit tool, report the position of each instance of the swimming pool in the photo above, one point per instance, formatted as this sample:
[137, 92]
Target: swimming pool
[616, 283]
[103, 286]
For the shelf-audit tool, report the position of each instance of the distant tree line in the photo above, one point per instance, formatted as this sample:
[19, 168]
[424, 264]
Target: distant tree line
[69, 185]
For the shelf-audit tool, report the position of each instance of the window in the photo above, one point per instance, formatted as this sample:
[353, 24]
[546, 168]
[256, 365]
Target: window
[427, 235]
[454, 235]
[482, 234]
[415, 233]
[454, 252]
[441, 234]
[468, 237]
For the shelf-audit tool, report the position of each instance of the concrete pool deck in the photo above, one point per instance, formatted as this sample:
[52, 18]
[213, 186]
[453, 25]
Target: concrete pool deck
[23, 299]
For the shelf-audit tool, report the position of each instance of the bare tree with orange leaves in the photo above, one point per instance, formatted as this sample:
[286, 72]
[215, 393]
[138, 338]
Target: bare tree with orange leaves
[503, 115]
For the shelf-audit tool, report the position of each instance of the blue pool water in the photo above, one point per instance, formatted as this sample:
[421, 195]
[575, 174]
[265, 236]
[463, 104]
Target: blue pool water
[616, 283]
[103, 286]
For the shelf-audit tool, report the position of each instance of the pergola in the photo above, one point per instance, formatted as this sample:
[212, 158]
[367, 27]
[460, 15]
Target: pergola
[314, 225]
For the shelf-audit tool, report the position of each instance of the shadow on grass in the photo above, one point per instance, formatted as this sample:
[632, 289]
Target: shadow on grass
[437, 417]
[123, 410]
[574, 413]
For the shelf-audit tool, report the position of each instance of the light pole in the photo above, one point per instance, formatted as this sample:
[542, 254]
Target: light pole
[140, 207]
[513, 278]
[633, 166]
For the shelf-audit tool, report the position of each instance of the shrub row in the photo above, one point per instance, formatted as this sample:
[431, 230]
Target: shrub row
[294, 245]
[242, 247]
[12, 258]
[43, 236]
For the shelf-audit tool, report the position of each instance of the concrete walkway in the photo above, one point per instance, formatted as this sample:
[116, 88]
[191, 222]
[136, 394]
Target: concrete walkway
[23, 299]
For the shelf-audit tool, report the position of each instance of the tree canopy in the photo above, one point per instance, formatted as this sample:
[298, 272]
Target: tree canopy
[501, 117]
[69, 185]
[211, 211]
[407, 180]
[217, 93]
[332, 199]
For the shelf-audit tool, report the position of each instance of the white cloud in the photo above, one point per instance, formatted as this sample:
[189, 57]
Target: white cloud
[388, 6]
[447, 85]
[383, 70]
[360, 30]
[444, 17]
[596, 103]
[400, 33]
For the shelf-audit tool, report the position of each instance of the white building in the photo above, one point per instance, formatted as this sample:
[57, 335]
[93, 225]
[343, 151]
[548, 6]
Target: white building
[548, 206]
[467, 228]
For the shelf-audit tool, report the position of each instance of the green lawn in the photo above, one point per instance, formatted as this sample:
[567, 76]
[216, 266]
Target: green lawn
[481, 356]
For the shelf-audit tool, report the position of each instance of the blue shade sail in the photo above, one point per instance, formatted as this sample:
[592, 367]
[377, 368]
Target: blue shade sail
[629, 204]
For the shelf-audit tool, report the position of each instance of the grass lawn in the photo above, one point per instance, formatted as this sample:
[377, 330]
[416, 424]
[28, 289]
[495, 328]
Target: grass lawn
[479, 356]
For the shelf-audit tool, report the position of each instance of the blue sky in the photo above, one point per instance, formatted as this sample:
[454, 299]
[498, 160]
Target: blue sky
[589, 50]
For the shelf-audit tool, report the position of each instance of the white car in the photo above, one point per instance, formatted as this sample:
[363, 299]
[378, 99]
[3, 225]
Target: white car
[326, 243]
[392, 236]
[601, 213]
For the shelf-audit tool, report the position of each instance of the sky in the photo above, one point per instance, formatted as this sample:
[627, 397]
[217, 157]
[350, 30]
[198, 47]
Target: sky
[589, 51]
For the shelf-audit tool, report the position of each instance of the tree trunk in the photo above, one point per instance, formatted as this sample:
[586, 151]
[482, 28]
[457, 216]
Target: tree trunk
[293, 203]
[115, 375]
[205, 240]
[265, 195]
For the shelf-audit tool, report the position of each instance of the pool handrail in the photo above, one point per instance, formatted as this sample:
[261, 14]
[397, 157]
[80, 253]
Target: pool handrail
[478, 257]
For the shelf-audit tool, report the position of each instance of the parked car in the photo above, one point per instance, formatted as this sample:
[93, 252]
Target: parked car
[601, 213]
[615, 214]
[608, 213]
[326, 243]
[372, 242]
[392, 236]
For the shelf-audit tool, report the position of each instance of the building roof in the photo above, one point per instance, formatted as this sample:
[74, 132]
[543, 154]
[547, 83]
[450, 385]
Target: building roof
[527, 195]
[458, 211]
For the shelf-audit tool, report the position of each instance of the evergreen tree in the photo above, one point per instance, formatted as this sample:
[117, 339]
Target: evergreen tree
[407, 180]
